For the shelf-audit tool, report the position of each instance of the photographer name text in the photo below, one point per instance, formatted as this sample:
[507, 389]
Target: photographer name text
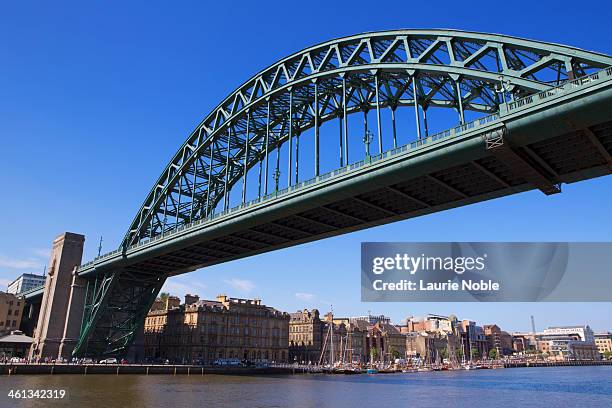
[422, 263]
[424, 286]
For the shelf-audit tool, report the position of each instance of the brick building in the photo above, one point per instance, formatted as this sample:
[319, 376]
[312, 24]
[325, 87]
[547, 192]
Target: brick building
[385, 342]
[305, 336]
[432, 339]
[311, 339]
[603, 341]
[472, 339]
[11, 310]
[202, 331]
[498, 340]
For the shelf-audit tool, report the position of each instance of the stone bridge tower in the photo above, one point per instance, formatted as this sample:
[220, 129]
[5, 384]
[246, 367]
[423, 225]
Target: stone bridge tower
[61, 309]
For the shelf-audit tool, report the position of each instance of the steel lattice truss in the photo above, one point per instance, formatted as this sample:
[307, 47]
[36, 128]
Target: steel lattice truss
[119, 316]
[451, 69]
[418, 69]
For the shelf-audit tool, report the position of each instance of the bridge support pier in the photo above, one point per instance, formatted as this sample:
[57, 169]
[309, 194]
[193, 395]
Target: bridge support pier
[74, 315]
[61, 309]
[136, 351]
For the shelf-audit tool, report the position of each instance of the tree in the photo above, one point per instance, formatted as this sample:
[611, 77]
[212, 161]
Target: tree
[395, 353]
[374, 354]
[493, 354]
[459, 353]
[164, 296]
[444, 353]
[474, 353]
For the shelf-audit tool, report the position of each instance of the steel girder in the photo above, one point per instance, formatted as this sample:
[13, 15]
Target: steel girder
[443, 68]
[110, 322]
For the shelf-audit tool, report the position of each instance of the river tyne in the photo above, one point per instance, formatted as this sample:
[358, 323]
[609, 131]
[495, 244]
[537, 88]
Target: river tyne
[529, 387]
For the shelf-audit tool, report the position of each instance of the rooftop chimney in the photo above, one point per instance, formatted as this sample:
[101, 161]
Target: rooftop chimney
[172, 302]
[191, 299]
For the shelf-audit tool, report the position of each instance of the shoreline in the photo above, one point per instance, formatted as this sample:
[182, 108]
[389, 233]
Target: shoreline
[157, 369]
[142, 369]
[558, 364]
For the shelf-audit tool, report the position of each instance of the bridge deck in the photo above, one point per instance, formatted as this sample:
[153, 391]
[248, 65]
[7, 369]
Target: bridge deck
[566, 157]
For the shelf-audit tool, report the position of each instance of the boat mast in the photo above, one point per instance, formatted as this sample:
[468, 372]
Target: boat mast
[470, 343]
[349, 341]
[324, 347]
[331, 344]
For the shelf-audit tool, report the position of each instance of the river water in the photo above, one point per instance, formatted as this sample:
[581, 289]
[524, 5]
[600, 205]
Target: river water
[530, 387]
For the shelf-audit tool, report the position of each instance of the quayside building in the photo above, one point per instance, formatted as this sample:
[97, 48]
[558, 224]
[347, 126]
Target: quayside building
[202, 331]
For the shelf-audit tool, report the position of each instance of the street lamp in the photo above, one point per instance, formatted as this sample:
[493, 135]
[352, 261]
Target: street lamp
[276, 176]
[503, 87]
[367, 139]
[164, 223]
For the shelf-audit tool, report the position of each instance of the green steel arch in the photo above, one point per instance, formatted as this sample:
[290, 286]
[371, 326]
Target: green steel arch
[555, 96]
[463, 71]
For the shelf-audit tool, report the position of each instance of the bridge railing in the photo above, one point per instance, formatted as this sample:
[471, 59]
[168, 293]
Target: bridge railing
[563, 89]
[519, 104]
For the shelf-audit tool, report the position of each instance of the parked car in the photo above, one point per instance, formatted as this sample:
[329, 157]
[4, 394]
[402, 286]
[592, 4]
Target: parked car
[263, 363]
[111, 360]
[87, 361]
[233, 362]
[15, 360]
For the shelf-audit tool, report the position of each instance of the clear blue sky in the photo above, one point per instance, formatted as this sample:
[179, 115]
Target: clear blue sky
[95, 99]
